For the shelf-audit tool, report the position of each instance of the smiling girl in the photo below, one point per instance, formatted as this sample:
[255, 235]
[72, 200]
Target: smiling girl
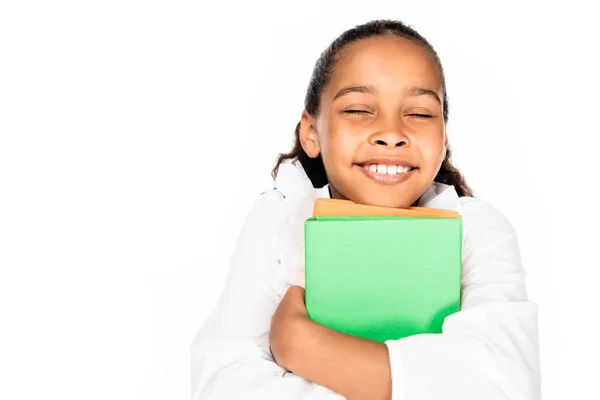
[373, 131]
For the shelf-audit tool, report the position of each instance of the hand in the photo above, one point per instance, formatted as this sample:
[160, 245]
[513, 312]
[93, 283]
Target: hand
[290, 313]
[354, 368]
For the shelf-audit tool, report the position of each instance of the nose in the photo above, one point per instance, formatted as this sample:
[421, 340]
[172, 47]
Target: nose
[390, 138]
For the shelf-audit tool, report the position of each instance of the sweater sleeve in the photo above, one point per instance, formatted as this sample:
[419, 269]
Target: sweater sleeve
[231, 357]
[489, 350]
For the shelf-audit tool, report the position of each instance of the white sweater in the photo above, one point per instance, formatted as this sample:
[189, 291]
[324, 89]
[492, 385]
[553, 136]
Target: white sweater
[487, 351]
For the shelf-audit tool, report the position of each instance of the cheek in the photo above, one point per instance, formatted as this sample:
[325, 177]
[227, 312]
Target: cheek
[338, 143]
[434, 152]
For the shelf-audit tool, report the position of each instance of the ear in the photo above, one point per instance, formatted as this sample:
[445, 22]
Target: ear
[446, 148]
[445, 136]
[308, 135]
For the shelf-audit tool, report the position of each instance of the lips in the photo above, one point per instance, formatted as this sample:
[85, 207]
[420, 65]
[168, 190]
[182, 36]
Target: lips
[387, 171]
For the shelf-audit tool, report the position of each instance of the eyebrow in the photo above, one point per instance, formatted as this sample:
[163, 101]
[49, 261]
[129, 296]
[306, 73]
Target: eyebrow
[412, 92]
[417, 91]
[353, 89]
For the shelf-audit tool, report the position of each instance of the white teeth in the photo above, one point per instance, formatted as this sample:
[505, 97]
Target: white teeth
[387, 169]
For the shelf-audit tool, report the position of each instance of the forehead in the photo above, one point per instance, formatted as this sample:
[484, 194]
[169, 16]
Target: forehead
[386, 62]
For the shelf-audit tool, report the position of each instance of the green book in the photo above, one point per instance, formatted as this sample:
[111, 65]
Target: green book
[383, 278]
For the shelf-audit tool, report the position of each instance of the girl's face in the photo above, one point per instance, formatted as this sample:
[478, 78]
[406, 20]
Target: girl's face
[380, 129]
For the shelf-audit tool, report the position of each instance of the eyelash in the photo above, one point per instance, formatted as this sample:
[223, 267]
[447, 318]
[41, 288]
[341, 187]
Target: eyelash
[356, 112]
[420, 115]
[366, 112]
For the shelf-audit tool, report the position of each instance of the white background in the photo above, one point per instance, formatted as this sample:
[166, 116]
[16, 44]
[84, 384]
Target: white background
[135, 136]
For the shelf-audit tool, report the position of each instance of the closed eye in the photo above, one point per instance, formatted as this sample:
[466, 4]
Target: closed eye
[420, 115]
[357, 112]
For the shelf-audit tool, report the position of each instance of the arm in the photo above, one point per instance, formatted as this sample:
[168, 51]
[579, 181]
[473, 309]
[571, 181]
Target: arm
[230, 355]
[487, 350]
[490, 348]
[353, 367]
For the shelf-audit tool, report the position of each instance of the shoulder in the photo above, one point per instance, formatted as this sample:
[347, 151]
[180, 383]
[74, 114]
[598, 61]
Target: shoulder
[268, 199]
[480, 215]
[256, 245]
[492, 267]
[265, 209]
[483, 224]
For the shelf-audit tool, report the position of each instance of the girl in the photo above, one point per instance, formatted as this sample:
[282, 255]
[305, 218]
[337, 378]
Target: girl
[373, 131]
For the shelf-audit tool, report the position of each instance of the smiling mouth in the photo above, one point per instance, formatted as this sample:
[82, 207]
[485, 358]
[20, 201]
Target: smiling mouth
[387, 173]
[387, 169]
